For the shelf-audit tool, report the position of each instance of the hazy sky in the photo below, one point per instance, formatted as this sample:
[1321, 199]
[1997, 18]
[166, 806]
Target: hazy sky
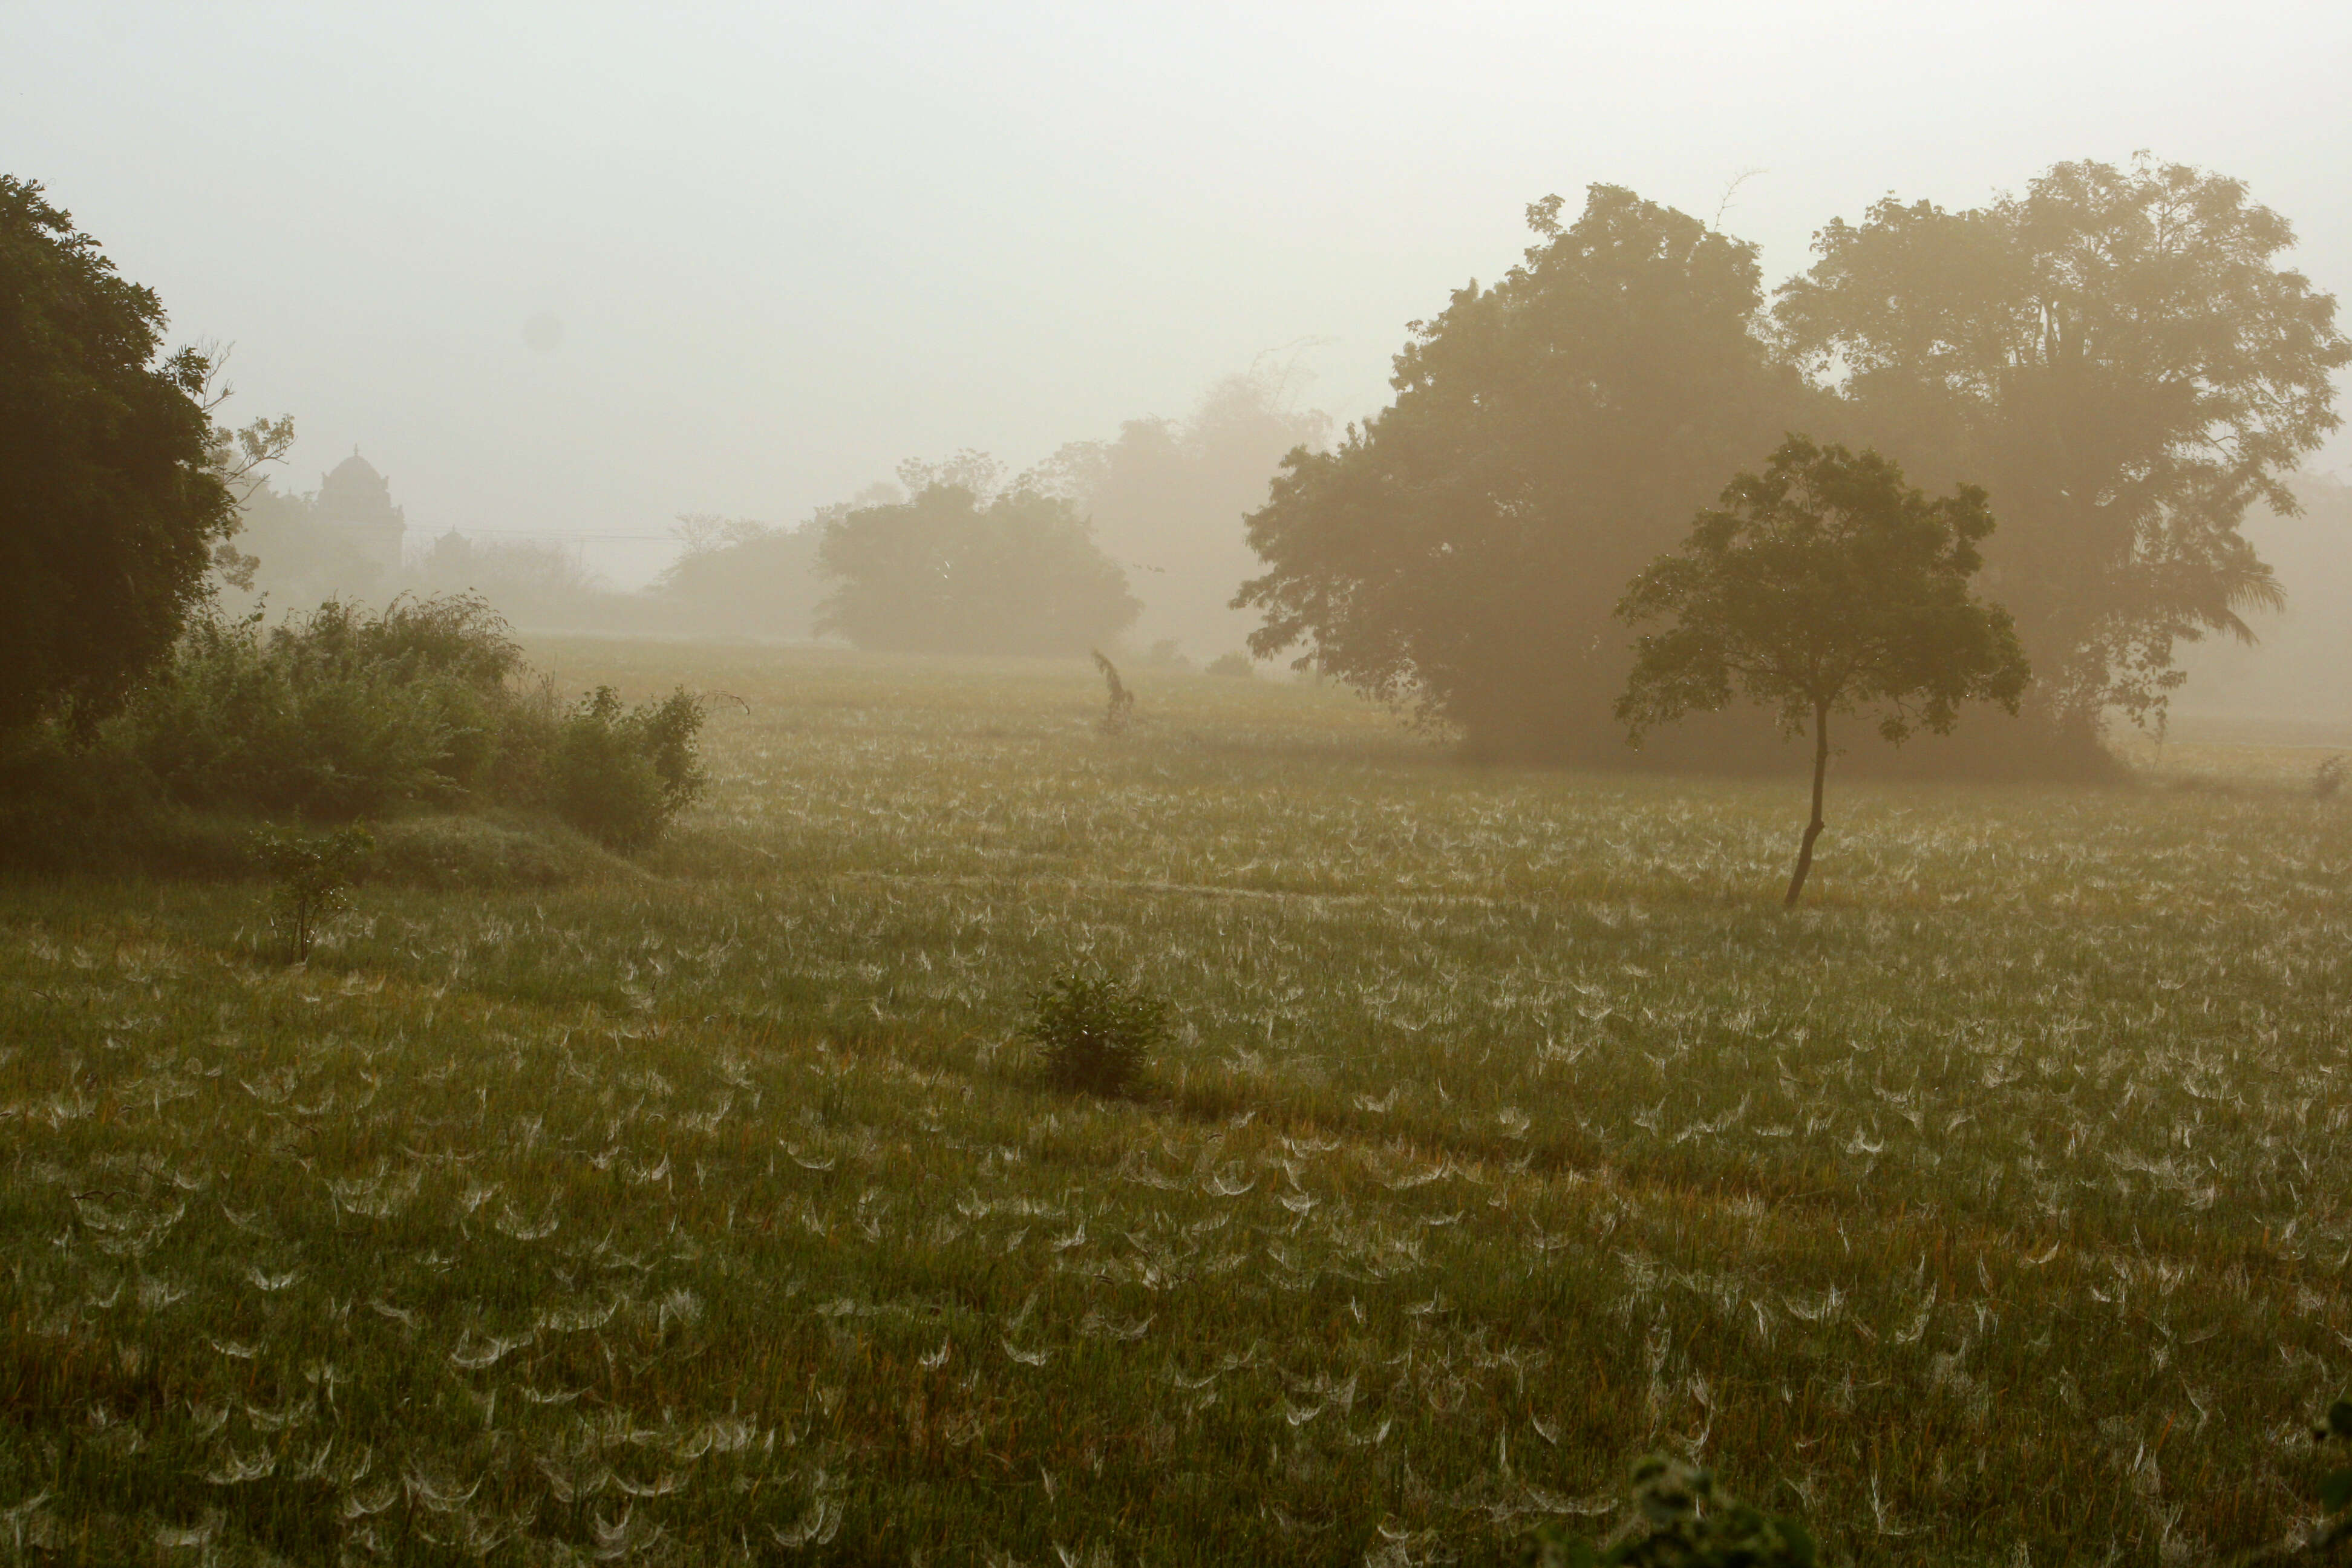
[788, 246]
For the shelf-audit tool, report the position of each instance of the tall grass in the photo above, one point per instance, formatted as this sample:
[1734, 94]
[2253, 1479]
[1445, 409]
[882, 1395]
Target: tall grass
[1989, 1212]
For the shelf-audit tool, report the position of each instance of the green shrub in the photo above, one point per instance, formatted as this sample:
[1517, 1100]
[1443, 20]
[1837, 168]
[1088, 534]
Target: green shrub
[619, 775]
[1684, 1523]
[346, 713]
[313, 876]
[1235, 664]
[337, 714]
[1092, 1031]
[340, 714]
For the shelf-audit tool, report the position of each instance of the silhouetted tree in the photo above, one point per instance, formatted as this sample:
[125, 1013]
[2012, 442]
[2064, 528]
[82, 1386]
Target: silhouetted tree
[533, 582]
[952, 571]
[112, 493]
[1823, 586]
[742, 578]
[2119, 358]
[1463, 550]
[739, 577]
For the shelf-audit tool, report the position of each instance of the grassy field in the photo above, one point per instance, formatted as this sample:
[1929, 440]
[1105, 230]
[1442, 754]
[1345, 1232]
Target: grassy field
[1990, 1210]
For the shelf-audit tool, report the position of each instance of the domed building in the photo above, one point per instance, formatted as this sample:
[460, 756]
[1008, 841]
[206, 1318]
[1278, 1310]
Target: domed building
[356, 502]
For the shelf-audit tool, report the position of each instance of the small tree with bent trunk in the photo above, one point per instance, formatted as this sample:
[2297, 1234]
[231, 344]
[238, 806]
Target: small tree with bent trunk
[1824, 584]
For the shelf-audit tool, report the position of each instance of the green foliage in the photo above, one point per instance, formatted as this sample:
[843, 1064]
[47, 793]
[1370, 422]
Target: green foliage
[60, 807]
[1822, 585]
[1094, 1031]
[348, 713]
[340, 714]
[312, 877]
[1235, 665]
[619, 775]
[1460, 552]
[1685, 1521]
[951, 572]
[111, 504]
[2118, 355]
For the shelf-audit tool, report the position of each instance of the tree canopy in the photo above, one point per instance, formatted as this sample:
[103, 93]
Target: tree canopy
[2119, 358]
[113, 497]
[1462, 550]
[954, 570]
[1823, 586]
[737, 577]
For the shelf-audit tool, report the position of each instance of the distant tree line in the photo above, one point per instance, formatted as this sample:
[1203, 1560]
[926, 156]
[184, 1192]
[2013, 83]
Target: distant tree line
[1140, 535]
[970, 564]
[2117, 357]
[285, 553]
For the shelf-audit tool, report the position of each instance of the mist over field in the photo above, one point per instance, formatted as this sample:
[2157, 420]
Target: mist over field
[1502, 786]
[2298, 669]
[566, 273]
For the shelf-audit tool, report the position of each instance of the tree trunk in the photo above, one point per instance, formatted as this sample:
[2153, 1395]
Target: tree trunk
[1812, 828]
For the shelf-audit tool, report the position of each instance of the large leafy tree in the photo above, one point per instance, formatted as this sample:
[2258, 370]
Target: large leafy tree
[2119, 357]
[956, 570]
[1823, 586]
[1461, 551]
[112, 489]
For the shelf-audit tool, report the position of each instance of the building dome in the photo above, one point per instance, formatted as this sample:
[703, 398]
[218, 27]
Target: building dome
[355, 493]
[355, 497]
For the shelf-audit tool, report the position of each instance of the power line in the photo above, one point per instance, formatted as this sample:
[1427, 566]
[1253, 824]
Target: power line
[569, 538]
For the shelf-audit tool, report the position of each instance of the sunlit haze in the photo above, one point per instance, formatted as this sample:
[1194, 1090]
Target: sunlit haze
[573, 270]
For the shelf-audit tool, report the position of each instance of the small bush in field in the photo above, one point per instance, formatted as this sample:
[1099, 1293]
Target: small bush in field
[313, 875]
[1235, 665]
[1685, 1522]
[2328, 778]
[1093, 1030]
[618, 774]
